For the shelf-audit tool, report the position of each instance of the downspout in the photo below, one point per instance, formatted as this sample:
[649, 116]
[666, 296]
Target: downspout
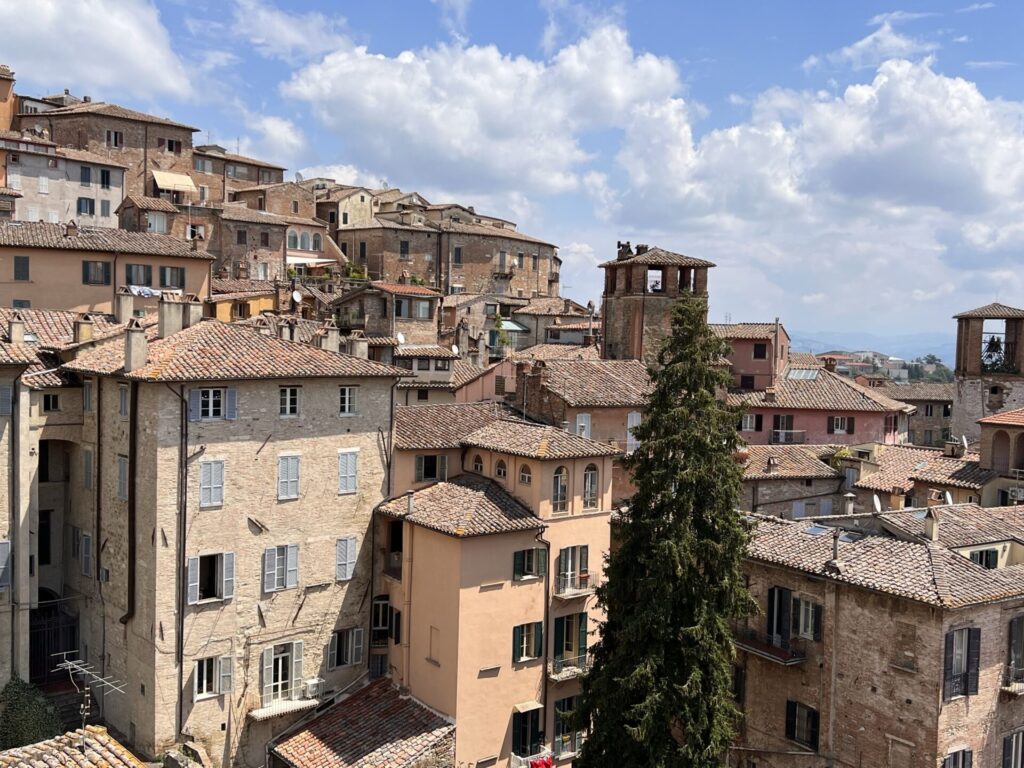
[133, 450]
[830, 759]
[98, 505]
[179, 640]
[15, 486]
[548, 638]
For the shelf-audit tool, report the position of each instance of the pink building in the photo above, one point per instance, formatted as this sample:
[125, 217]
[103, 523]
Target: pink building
[759, 352]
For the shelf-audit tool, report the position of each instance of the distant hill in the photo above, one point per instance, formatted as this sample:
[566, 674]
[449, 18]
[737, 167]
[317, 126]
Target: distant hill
[908, 346]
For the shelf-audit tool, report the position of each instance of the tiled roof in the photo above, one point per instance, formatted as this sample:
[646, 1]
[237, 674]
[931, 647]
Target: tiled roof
[464, 372]
[463, 299]
[238, 285]
[434, 351]
[488, 230]
[9, 192]
[896, 467]
[803, 360]
[113, 110]
[466, 505]
[925, 573]
[965, 472]
[551, 305]
[17, 354]
[391, 195]
[84, 156]
[213, 151]
[598, 383]
[535, 441]
[103, 239]
[751, 331]
[251, 216]
[375, 727]
[557, 352]
[215, 351]
[46, 372]
[413, 383]
[55, 328]
[91, 746]
[304, 330]
[924, 390]
[793, 462]
[584, 326]
[659, 257]
[961, 525]
[436, 427]
[993, 311]
[144, 203]
[404, 289]
[381, 341]
[827, 391]
[1006, 418]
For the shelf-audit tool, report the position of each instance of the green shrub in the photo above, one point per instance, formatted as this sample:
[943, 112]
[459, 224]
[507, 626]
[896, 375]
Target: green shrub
[27, 716]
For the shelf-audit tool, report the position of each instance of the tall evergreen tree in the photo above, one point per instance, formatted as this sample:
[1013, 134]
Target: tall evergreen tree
[660, 692]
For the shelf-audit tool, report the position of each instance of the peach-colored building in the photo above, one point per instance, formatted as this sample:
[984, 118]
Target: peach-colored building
[758, 352]
[490, 554]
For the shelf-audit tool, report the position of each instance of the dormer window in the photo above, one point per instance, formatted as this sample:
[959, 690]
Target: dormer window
[478, 464]
[500, 469]
[525, 475]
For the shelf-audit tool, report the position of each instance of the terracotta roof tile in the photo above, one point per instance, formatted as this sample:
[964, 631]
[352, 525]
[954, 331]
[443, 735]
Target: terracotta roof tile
[210, 150]
[464, 372]
[55, 328]
[251, 216]
[433, 351]
[488, 230]
[965, 472]
[961, 525]
[804, 360]
[794, 462]
[436, 427]
[659, 257]
[9, 192]
[918, 391]
[466, 505]
[92, 746]
[552, 305]
[826, 391]
[535, 441]
[144, 203]
[102, 239]
[113, 110]
[752, 331]
[375, 727]
[1006, 418]
[896, 467]
[547, 352]
[403, 289]
[84, 156]
[993, 311]
[598, 383]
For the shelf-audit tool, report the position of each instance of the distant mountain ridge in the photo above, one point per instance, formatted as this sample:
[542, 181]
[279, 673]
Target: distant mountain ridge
[907, 346]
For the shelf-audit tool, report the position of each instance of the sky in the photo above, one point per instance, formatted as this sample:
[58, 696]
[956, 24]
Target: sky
[849, 166]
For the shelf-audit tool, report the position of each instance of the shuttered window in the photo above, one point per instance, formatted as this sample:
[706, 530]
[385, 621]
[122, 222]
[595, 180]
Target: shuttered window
[348, 467]
[282, 672]
[5, 566]
[211, 403]
[211, 577]
[87, 468]
[122, 477]
[802, 724]
[960, 663]
[1013, 750]
[529, 563]
[346, 552]
[583, 424]
[962, 759]
[288, 477]
[211, 483]
[280, 567]
[86, 553]
[527, 641]
[633, 419]
[6, 399]
[346, 648]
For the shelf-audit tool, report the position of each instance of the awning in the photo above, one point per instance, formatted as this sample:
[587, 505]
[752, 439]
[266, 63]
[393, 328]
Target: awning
[285, 707]
[528, 706]
[309, 261]
[174, 182]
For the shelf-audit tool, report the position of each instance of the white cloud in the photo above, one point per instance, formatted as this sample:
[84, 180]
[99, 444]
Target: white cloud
[882, 44]
[569, 19]
[897, 17]
[289, 36]
[453, 15]
[272, 138]
[814, 298]
[127, 51]
[962, 39]
[973, 7]
[210, 61]
[604, 197]
[989, 64]
[343, 174]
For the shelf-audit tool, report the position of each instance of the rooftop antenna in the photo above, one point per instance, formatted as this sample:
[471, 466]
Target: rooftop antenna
[85, 679]
[728, 318]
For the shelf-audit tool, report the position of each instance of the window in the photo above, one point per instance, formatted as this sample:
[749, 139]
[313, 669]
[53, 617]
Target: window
[85, 552]
[115, 139]
[211, 403]
[570, 642]
[280, 568]
[236, 171]
[156, 222]
[960, 663]
[293, 240]
[212, 677]
[929, 409]
[122, 477]
[927, 437]
[44, 185]
[348, 471]
[85, 175]
[422, 395]
[346, 648]
[287, 477]
[591, 493]
[317, 243]
[525, 476]
[346, 401]
[295, 206]
[760, 351]
[304, 241]
[431, 467]
[51, 403]
[138, 274]
[947, 410]
[21, 304]
[751, 422]
[442, 365]
[86, 206]
[196, 232]
[241, 237]
[172, 277]
[422, 363]
[840, 425]
[802, 724]
[535, 261]
[211, 577]
[527, 738]
[266, 176]
[263, 271]
[962, 759]
[13, 179]
[5, 566]
[573, 569]
[780, 606]
[478, 464]
[806, 619]
[104, 207]
[289, 401]
[87, 395]
[53, 217]
[264, 239]
[583, 424]
[403, 250]
[332, 217]
[560, 490]
[345, 554]
[422, 310]
[395, 623]
[457, 255]
[282, 672]
[529, 563]
[527, 641]
[362, 250]
[500, 469]
[633, 419]
[33, 214]
[986, 558]
[171, 146]
[211, 483]
[1013, 750]
[746, 382]
[104, 178]
[122, 400]
[520, 260]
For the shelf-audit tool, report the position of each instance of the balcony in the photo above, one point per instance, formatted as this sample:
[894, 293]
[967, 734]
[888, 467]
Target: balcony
[393, 565]
[351, 319]
[1012, 680]
[570, 585]
[518, 761]
[568, 667]
[788, 436]
[785, 651]
[379, 637]
[568, 745]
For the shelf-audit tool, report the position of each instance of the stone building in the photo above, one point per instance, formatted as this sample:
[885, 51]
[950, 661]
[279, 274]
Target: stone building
[219, 175]
[542, 314]
[792, 481]
[931, 422]
[1002, 453]
[639, 291]
[889, 640]
[989, 360]
[404, 311]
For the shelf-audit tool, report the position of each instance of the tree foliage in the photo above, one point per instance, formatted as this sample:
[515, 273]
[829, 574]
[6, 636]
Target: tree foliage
[27, 716]
[660, 691]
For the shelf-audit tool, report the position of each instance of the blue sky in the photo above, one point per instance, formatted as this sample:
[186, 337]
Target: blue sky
[850, 166]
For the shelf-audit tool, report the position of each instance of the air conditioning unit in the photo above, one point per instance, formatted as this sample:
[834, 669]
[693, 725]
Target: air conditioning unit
[313, 688]
[1015, 494]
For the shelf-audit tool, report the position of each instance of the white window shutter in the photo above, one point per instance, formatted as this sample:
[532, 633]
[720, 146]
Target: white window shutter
[340, 559]
[228, 575]
[231, 403]
[193, 580]
[87, 468]
[282, 477]
[268, 676]
[269, 568]
[195, 679]
[798, 509]
[356, 645]
[205, 483]
[583, 424]
[826, 507]
[353, 552]
[632, 420]
[5, 565]
[86, 555]
[294, 477]
[292, 575]
[332, 651]
[297, 669]
[227, 669]
[194, 396]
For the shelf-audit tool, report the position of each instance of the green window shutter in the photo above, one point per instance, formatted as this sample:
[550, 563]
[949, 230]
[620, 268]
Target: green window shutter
[419, 469]
[517, 733]
[542, 561]
[581, 647]
[518, 564]
[538, 638]
[559, 638]
[517, 643]
[584, 558]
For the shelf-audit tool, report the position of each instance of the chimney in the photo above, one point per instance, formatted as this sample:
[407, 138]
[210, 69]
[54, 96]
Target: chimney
[330, 338]
[124, 305]
[136, 350]
[773, 465]
[953, 449]
[410, 504]
[625, 250]
[567, 306]
[835, 544]
[769, 394]
[71, 229]
[87, 99]
[286, 329]
[830, 364]
[169, 311]
[641, 248]
[589, 340]
[16, 329]
[357, 345]
[565, 426]
[83, 329]
[848, 500]
[931, 525]
[191, 311]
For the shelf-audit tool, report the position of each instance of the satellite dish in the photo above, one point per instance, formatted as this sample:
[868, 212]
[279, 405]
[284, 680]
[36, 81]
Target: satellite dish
[949, 497]
[298, 176]
[963, 439]
[401, 337]
[297, 297]
[877, 502]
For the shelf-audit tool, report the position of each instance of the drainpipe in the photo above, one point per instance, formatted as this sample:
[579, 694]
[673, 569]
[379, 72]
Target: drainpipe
[133, 449]
[15, 486]
[98, 505]
[548, 639]
[179, 640]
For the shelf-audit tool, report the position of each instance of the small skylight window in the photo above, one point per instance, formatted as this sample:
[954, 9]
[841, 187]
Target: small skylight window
[851, 536]
[920, 465]
[802, 374]
[920, 515]
[30, 337]
[816, 530]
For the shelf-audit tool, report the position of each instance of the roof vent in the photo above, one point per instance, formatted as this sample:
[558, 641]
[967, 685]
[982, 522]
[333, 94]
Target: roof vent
[931, 525]
[773, 465]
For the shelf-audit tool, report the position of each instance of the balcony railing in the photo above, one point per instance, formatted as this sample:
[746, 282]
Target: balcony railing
[789, 436]
[519, 761]
[781, 650]
[568, 667]
[379, 638]
[568, 744]
[393, 565]
[1013, 680]
[568, 585]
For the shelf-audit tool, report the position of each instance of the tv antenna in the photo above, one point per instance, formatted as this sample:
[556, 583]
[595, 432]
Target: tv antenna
[85, 679]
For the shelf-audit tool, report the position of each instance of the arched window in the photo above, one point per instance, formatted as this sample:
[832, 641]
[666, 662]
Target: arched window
[590, 492]
[478, 464]
[293, 239]
[500, 470]
[317, 243]
[304, 241]
[525, 476]
[1001, 452]
[560, 490]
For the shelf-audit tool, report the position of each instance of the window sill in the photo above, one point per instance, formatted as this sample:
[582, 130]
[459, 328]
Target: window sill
[347, 493]
[526, 579]
[214, 505]
[287, 415]
[209, 601]
[206, 696]
[434, 662]
[347, 415]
